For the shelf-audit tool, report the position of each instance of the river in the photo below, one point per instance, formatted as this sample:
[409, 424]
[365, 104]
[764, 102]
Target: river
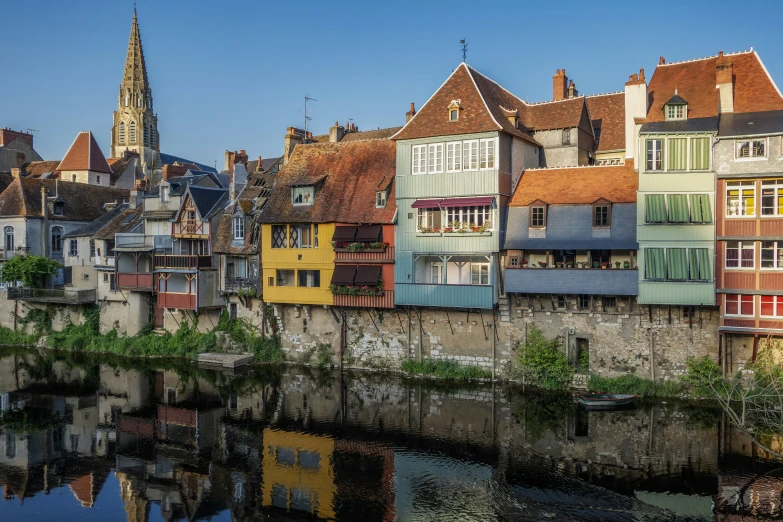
[103, 438]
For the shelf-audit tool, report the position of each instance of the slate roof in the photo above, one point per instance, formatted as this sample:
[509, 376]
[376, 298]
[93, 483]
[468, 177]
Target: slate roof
[607, 111]
[180, 183]
[125, 221]
[695, 81]
[347, 176]
[82, 202]
[675, 126]
[377, 134]
[170, 159]
[95, 225]
[266, 164]
[118, 165]
[577, 185]
[5, 179]
[207, 200]
[85, 154]
[37, 169]
[247, 200]
[751, 124]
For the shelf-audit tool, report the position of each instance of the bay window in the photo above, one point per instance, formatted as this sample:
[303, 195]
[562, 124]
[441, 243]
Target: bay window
[772, 255]
[655, 154]
[772, 197]
[772, 305]
[740, 198]
[740, 254]
[751, 149]
[738, 304]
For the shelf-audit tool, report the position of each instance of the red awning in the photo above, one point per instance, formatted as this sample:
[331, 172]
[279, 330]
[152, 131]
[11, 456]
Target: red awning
[426, 203]
[467, 202]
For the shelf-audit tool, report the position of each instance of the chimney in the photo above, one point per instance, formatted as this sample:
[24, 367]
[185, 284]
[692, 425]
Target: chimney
[229, 162]
[45, 224]
[172, 171]
[661, 61]
[635, 107]
[259, 168]
[135, 196]
[293, 137]
[16, 172]
[559, 83]
[336, 133]
[572, 92]
[410, 114]
[724, 80]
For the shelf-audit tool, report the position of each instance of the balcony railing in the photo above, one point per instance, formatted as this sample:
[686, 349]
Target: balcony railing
[234, 284]
[133, 240]
[183, 261]
[135, 281]
[9, 253]
[366, 301]
[385, 255]
[45, 295]
[190, 228]
[174, 300]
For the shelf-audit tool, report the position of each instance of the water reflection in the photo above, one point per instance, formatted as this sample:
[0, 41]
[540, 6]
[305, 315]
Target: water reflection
[112, 439]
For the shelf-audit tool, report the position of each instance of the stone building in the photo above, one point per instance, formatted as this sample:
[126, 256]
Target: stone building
[16, 149]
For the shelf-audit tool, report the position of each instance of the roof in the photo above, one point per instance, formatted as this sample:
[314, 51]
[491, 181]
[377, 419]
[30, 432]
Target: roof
[96, 224]
[170, 159]
[377, 134]
[39, 168]
[118, 165]
[751, 124]
[206, 199]
[561, 114]
[607, 111]
[577, 185]
[675, 126]
[266, 164]
[676, 99]
[85, 154]
[5, 179]
[350, 174]
[695, 81]
[82, 202]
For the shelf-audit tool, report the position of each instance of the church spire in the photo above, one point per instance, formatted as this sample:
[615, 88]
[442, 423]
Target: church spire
[134, 79]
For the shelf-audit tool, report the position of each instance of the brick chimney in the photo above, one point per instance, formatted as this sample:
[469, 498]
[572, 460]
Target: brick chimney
[228, 164]
[172, 171]
[336, 133]
[724, 80]
[16, 172]
[410, 114]
[134, 197]
[293, 136]
[635, 107]
[559, 83]
[572, 92]
[259, 168]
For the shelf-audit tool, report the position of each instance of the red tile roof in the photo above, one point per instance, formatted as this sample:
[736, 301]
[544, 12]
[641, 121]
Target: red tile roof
[39, 168]
[695, 81]
[85, 154]
[577, 185]
[607, 111]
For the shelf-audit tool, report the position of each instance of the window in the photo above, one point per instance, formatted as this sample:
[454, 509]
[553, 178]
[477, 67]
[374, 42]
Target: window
[678, 154]
[146, 135]
[470, 155]
[97, 179]
[285, 277]
[453, 114]
[584, 302]
[310, 278]
[293, 236]
[740, 254]
[57, 239]
[92, 248]
[538, 217]
[610, 302]
[164, 193]
[601, 216]
[305, 238]
[654, 264]
[106, 280]
[152, 136]
[654, 208]
[514, 259]
[740, 198]
[566, 136]
[701, 210]
[132, 131]
[436, 273]
[772, 197]
[58, 208]
[675, 112]
[73, 178]
[435, 158]
[138, 100]
[737, 304]
[121, 133]
[678, 208]
[487, 148]
[8, 234]
[315, 235]
[112, 282]
[302, 195]
[560, 301]
[479, 273]
[429, 219]
[271, 281]
[677, 264]
[751, 149]
[459, 217]
[191, 215]
[239, 227]
[419, 159]
[772, 254]
[700, 264]
[772, 305]
[73, 248]
[700, 153]
[654, 154]
[454, 156]
[278, 236]
[380, 199]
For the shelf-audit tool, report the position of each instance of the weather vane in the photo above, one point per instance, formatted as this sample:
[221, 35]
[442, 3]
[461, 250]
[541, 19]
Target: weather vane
[464, 43]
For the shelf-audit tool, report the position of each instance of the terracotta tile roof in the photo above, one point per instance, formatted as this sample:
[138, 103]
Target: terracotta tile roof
[39, 168]
[695, 81]
[607, 111]
[347, 176]
[85, 154]
[577, 185]
[82, 202]
[377, 134]
[560, 114]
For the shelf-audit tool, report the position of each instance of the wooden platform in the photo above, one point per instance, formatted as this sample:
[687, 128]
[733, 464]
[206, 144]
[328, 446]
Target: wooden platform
[225, 360]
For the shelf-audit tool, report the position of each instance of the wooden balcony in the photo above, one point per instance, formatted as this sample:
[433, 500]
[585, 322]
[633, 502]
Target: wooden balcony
[175, 300]
[342, 255]
[141, 282]
[366, 301]
[59, 296]
[190, 229]
[234, 284]
[183, 261]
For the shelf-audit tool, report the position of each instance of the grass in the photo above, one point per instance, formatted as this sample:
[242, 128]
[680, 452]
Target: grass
[444, 369]
[636, 385]
[10, 338]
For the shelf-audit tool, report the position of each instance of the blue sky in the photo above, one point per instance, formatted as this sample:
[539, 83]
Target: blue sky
[233, 75]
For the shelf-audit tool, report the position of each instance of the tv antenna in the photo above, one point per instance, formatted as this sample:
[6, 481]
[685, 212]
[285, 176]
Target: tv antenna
[307, 118]
[464, 43]
[30, 131]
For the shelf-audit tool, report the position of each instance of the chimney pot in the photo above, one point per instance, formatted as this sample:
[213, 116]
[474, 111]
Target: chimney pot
[661, 61]
[559, 85]
[15, 172]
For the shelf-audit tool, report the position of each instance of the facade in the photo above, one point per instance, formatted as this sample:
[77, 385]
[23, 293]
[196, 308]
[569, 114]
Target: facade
[16, 149]
[85, 163]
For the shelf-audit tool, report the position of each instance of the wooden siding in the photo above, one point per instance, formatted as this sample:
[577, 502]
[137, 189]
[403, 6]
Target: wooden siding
[771, 280]
[771, 325]
[739, 227]
[659, 182]
[771, 227]
[387, 256]
[740, 323]
[174, 300]
[445, 296]
[670, 233]
[366, 301]
[739, 280]
[452, 184]
[676, 293]
[135, 281]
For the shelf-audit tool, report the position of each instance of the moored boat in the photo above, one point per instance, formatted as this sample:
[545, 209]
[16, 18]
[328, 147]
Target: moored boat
[607, 401]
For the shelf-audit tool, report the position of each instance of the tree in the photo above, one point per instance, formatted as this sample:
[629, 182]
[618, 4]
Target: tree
[27, 269]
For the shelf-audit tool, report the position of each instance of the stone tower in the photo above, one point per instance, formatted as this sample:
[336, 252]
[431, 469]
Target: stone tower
[135, 126]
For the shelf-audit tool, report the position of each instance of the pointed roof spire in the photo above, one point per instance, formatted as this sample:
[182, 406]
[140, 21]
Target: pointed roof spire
[135, 74]
[85, 154]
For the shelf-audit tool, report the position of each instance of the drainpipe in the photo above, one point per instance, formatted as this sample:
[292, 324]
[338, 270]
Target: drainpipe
[45, 225]
[652, 357]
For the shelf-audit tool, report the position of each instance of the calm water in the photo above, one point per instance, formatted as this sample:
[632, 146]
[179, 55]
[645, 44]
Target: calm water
[109, 439]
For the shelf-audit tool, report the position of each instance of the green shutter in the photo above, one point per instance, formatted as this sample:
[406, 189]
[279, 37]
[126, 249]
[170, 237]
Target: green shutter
[701, 211]
[700, 153]
[655, 208]
[705, 264]
[678, 266]
[654, 265]
[678, 153]
[693, 261]
[678, 208]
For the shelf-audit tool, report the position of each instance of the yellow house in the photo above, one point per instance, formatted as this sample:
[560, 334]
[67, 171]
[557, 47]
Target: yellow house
[297, 263]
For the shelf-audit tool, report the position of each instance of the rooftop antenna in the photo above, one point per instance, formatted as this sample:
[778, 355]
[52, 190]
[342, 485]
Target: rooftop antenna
[307, 118]
[30, 131]
[464, 43]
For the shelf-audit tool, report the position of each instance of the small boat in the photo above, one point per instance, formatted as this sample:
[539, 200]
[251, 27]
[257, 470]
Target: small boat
[607, 401]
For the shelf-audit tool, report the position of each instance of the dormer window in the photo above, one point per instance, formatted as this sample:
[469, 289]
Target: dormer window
[303, 195]
[380, 199]
[602, 213]
[676, 108]
[239, 228]
[453, 115]
[676, 112]
[58, 208]
[538, 216]
[454, 108]
[164, 193]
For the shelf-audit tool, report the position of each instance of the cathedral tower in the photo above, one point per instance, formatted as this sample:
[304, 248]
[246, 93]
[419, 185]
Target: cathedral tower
[135, 125]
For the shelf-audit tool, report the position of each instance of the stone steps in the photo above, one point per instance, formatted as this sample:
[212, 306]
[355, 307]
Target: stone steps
[503, 307]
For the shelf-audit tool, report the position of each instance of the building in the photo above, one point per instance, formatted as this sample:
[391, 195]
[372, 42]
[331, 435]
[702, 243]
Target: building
[85, 163]
[16, 149]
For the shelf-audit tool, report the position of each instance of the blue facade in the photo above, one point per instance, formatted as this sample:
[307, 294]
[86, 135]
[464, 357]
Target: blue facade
[565, 281]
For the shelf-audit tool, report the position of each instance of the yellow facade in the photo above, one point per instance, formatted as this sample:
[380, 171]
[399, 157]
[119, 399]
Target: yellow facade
[283, 265]
[297, 472]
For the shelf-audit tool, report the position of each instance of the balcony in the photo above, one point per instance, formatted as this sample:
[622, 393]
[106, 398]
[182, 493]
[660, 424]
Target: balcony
[61, 296]
[6, 254]
[366, 301]
[141, 282]
[183, 262]
[134, 242]
[589, 281]
[343, 255]
[235, 284]
[175, 300]
[191, 228]
[445, 296]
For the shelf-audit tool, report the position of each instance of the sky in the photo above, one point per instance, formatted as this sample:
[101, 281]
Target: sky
[233, 75]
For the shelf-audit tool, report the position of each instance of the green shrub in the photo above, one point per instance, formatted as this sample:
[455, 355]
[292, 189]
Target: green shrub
[542, 362]
[30, 270]
[323, 356]
[701, 372]
[635, 385]
[10, 338]
[444, 369]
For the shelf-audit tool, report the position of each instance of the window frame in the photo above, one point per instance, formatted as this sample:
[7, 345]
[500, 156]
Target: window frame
[741, 186]
[300, 191]
[453, 114]
[59, 238]
[238, 228]
[777, 193]
[274, 240]
[660, 150]
[483, 271]
[741, 246]
[425, 218]
[454, 156]
[739, 303]
[489, 153]
[777, 304]
[566, 137]
[533, 220]
[435, 158]
[419, 159]
[9, 240]
[674, 117]
[777, 255]
[607, 217]
[751, 156]
[380, 199]
[470, 151]
[73, 247]
[165, 194]
[305, 273]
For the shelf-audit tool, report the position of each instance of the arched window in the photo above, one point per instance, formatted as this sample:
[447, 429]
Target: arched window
[138, 99]
[152, 136]
[9, 239]
[127, 98]
[132, 131]
[57, 240]
[146, 136]
[121, 133]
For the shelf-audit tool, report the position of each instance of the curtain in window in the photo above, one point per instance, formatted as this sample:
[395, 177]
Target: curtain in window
[655, 208]
[699, 264]
[700, 153]
[678, 266]
[701, 212]
[678, 153]
[654, 265]
[678, 208]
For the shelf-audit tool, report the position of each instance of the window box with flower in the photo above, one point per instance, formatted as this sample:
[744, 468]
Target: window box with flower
[359, 246]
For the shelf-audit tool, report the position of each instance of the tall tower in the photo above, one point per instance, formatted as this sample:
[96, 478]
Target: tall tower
[135, 125]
